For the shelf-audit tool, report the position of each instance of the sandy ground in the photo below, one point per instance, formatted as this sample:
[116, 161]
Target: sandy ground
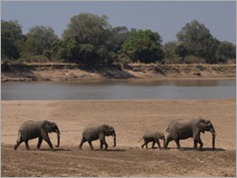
[130, 120]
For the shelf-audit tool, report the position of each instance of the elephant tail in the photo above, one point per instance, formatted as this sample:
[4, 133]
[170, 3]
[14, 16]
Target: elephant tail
[168, 129]
[19, 136]
[139, 140]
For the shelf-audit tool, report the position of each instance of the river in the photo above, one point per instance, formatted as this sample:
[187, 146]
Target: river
[120, 90]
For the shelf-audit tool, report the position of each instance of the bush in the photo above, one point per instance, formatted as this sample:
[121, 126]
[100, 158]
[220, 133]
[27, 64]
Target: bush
[193, 60]
[176, 60]
[123, 59]
[5, 66]
[37, 59]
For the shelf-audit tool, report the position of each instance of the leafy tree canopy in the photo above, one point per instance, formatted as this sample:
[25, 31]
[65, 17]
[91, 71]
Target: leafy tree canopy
[92, 35]
[197, 40]
[39, 40]
[226, 50]
[90, 40]
[143, 46]
[11, 36]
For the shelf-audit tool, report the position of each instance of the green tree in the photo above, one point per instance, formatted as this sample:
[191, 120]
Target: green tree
[39, 39]
[169, 49]
[66, 49]
[92, 35]
[225, 51]
[118, 36]
[181, 51]
[197, 40]
[11, 37]
[144, 46]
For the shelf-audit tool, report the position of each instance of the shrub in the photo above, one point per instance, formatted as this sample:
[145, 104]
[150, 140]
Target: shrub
[193, 60]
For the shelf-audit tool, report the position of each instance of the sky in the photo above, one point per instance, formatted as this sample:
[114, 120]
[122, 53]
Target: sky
[165, 17]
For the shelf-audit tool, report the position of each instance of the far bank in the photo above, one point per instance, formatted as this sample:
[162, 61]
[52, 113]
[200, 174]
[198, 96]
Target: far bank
[75, 72]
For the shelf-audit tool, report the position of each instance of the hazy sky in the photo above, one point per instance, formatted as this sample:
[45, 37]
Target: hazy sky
[165, 17]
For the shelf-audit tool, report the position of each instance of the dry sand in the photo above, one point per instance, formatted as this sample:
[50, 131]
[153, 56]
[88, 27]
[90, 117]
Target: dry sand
[130, 120]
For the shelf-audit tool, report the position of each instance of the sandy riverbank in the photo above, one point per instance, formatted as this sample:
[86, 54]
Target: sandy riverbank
[130, 119]
[74, 72]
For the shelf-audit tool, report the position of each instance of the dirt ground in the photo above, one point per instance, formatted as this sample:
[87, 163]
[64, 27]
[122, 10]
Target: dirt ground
[130, 120]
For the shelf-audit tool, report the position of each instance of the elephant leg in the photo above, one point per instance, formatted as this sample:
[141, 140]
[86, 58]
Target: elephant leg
[167, 140]
[143, 145]
[49, 143]
[106, 145]
[102, 141]
[91, 146]
[201, 144]
[39, 142]
[83, 140]
[195, 144]
[158, 143]
[153, 144]
[177, 143]
[146, 145]
[198, 140]
[27, 145]
[17, 144]
[45, 136]
[101, 145]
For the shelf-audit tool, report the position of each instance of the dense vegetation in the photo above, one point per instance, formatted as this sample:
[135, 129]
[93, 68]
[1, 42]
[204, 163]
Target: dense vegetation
[91, 41]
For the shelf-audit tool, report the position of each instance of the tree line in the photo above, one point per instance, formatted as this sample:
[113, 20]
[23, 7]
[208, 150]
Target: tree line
[90, 40]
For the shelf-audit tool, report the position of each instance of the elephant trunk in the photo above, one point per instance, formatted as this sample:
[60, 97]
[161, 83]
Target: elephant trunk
[58, 136]
[114, 135]
[114, 142]
[213, 141]
[213, 138]
[164, 143]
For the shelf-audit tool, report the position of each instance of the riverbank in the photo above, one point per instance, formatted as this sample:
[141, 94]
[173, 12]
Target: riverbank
[130, 120]
[74, 72]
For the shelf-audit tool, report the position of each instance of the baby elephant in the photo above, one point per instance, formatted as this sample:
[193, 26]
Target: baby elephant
[37, 129]
[95, 132]
[152, 137]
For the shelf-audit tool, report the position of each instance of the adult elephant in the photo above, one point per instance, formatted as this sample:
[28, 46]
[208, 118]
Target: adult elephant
[37, 129]
[96, 132]
[179, 130]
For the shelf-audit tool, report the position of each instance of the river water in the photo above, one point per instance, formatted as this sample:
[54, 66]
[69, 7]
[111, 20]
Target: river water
[120, 90]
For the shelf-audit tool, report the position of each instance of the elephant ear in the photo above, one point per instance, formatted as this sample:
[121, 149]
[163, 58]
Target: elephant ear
[201, 124]
[209, 124]
[108, 129]
[111, 129]
[46, 126]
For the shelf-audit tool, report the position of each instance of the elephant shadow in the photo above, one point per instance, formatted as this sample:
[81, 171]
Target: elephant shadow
[113, 150]
[55, 150]
[210, 149]
[203, 149]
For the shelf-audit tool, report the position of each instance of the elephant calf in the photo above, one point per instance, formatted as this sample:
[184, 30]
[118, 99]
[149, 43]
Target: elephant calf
[37, 129]
[152, 137]
[179, 130]
[92, 133]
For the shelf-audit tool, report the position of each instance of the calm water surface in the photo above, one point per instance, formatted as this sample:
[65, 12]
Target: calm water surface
[120, 90]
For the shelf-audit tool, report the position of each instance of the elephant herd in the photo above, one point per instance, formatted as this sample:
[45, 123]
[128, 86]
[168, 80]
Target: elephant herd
[177, 130]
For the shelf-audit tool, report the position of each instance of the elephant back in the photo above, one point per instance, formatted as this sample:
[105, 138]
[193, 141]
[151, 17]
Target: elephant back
[171, 124]
[29, 129]
[91, 132]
